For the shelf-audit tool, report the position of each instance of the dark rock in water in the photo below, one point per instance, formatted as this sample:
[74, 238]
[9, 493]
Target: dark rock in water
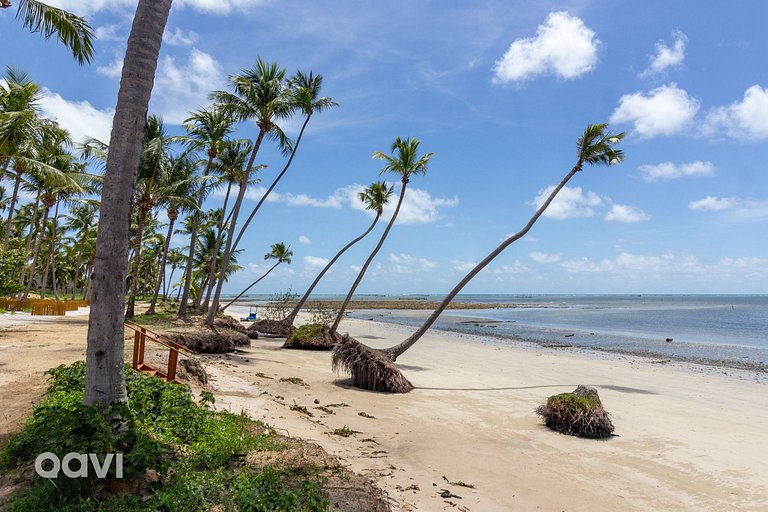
[579, 413]
[669, 340]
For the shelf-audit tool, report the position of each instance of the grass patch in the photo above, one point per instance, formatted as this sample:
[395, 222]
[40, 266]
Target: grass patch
[294, 380]
[326, 410]
[300, 408]
[579, 413]
[344, 431]
[179, 455]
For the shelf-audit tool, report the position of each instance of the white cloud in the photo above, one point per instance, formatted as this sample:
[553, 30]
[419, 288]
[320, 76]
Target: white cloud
[463, 266]
[563, 46]
[543, 257]
[569, 203]
[110, 33]
[626, 213]
[734, 208]
[743, 120]
[516, 267]
[406, 264]
[667, 57]
[304, 240]
[315, 262]
[665, 110]
[178, 38]
[636, 266]
[219, 6]
[80, 118]
[183, 87]
[113, 70]
[419, 207]
[85, 7]
[668, 170]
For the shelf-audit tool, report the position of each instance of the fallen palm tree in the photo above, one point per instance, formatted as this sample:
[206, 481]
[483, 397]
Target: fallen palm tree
[595, 147]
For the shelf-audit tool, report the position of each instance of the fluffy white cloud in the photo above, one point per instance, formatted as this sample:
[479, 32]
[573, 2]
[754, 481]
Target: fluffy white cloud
[569, 203]
[80, 118]
[543, 257]
[637, 266]
[463, 266]
[406, 264]
[735, 208]
[517, 267]
[181, 87]
[113, 70]
[665, 110]
[666, 56]
[668, 170]
[626, 213]
[743, 120]
[177, 37]
[304, 240]
[563, 46]
[315, 262]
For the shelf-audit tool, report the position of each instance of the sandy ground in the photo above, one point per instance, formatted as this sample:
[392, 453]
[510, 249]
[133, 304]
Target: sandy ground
[689, 437]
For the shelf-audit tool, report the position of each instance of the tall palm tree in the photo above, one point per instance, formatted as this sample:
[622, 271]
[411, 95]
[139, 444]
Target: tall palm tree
[374, 198]
[260, 94]
[181, 187]
[175, 259]
[305, 95]
[81, 221]
[206, 128]
[73, 31]
[595, 147]
[153, 177]
[279, 252]
[405, 163]
[104, 370]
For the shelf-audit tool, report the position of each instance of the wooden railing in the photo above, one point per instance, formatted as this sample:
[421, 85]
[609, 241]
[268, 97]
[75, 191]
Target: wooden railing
[43, 307]
[140, 337]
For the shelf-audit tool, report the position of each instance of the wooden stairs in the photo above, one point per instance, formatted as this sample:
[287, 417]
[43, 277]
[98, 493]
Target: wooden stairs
[142, 335]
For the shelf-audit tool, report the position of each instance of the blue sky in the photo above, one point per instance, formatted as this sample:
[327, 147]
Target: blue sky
[499, 90]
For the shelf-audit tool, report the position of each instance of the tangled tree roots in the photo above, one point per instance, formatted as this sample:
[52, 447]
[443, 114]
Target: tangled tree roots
[312, 337]
[279, 328]
[205, 340]
[370, 368]
[228, 322]
[579, 413]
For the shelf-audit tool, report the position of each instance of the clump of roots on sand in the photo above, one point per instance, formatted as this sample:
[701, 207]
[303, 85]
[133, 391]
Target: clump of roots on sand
[579, 413]
[371, 369]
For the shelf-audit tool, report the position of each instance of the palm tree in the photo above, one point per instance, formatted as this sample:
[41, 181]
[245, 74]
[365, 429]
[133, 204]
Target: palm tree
[259, 94]
[153, 176]
[369, 368]
[181, 186]
[73, 31]
[205, 128]
[82, 221]
[305, 95]
[405, 163]
[174, 259]
[104, 371]
[279, 252]
[374, 198]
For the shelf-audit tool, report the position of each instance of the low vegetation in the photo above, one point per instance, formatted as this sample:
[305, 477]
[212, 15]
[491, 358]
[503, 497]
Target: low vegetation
[579, 413]
[178, 454]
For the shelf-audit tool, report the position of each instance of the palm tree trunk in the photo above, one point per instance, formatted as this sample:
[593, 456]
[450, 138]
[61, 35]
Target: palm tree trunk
[38, 245]
[396, 351]
[360, 275]
[167, 284]
[193, 240]
[250, 286]
[161, 270]
[292, 316]
[272, 186]
[44, 279]
[16, 185]
[233, 223]
[104, 370]
[31, 235]
[216, 247]
[76, 274]
[53, 250]
[130, 310]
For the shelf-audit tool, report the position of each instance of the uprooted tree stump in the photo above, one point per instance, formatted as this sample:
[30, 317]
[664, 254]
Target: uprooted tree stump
[279, 328]
[312, 337]
[579, 413]
[229, 322]
[203, 339]
[371, 369]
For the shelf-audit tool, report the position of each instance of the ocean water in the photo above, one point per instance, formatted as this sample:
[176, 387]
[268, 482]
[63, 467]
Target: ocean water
[722, 329]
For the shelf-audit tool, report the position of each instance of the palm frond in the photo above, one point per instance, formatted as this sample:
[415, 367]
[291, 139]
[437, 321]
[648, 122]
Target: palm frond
[73, 31]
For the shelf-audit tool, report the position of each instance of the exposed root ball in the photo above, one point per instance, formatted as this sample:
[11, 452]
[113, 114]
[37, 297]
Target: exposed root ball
[274, 327]
[370, 368]
[579, 413]
[204, 340]
[312, 337]
[228, 322]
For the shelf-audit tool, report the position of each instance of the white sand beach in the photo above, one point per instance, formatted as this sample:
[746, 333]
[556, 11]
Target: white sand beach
[689, 437]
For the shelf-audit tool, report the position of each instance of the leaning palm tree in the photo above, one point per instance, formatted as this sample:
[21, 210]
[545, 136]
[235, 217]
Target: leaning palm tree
[175, 259]
[373, 369]
[208, 129]
[260, 94]
[279, 252]
[405, 164]
[73, 31]
[374, 198]
[104, 368]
